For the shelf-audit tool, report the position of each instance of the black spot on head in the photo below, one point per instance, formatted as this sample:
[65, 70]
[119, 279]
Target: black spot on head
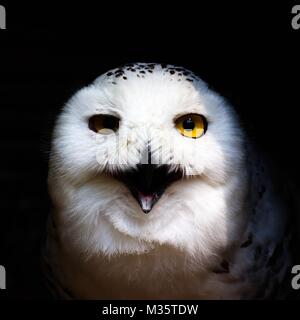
[190, 80]
[125, 78]
[143, 72]
[109, 74]
[172, 71]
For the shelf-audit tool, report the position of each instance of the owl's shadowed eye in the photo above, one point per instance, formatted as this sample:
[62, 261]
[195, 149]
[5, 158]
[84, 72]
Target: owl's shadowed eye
[104, 124]
[191, 125]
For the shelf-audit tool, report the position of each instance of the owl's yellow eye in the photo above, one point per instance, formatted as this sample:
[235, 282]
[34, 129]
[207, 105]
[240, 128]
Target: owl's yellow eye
[191, 125]
[104, 124]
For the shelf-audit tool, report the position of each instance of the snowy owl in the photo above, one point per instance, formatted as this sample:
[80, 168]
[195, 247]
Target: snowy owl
[158, 194]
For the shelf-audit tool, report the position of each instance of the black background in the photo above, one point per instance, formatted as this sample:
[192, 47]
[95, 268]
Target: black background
[248, 52]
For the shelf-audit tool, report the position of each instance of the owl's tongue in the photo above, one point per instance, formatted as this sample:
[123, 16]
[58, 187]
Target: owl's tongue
[147, 183]
[147, 201]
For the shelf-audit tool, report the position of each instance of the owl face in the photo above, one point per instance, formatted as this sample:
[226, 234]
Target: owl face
[143, 138]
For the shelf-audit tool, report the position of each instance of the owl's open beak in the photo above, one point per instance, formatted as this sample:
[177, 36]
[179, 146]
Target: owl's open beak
[148, 182]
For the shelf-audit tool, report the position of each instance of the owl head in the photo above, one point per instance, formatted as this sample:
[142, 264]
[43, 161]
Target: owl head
[144, 152]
